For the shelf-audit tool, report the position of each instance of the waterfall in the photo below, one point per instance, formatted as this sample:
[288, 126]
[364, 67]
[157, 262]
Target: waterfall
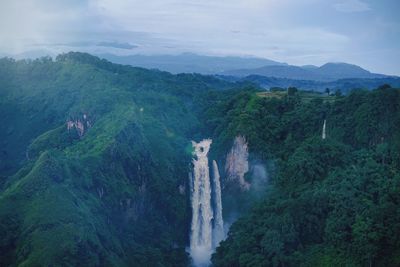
[206, 232]
[324, 130]
[202, 213]
[218, 234]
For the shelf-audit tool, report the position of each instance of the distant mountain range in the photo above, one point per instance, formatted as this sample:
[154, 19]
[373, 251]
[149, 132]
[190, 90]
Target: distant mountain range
[264, 72]
[191, 63]
[327, 72]
[244, 66]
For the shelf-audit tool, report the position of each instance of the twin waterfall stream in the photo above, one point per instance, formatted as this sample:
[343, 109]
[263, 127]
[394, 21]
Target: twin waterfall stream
[207, 228]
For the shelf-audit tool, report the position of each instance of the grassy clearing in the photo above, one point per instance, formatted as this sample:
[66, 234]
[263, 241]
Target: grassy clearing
[304, 95]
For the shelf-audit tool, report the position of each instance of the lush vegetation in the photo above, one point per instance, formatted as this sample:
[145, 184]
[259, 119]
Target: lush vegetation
[106, 192]
[331, 202]
[95, 157]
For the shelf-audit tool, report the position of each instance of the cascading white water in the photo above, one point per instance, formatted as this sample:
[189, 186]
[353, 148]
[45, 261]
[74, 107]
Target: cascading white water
[202, 214]
[324, 130]
[204, 236]
[219, 233]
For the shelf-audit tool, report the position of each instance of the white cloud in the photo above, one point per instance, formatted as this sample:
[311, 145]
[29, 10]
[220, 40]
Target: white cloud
[351, 6]
[299, 32]
[23, 23]
[235, 27]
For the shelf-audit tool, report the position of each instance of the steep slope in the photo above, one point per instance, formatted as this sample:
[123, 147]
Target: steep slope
[93, 162]
[95, 158]
[331, 201]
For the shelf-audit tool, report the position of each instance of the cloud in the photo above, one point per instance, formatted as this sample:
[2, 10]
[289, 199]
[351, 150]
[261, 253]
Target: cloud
[352, 6]
[297, 32]
[127, 46]
[235, 27]
[23, 23]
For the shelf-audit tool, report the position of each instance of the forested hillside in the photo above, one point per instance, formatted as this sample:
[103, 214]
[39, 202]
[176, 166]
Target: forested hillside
[330, 202]
[94, 162]
[95, 159]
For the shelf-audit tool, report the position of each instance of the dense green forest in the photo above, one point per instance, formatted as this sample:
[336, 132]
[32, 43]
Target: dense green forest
[95, 159]
[93, 156]
[330, 202]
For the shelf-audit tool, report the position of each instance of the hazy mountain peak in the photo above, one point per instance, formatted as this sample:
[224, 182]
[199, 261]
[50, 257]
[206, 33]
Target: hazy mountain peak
[328, 72]
[191, 62]
[309, 67]
[342, 66]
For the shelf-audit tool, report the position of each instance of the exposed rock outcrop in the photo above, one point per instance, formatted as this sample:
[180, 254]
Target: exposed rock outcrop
[237, 164]
[81, 125]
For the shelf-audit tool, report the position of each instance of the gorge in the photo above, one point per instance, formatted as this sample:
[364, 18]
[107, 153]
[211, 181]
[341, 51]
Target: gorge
[95, 158]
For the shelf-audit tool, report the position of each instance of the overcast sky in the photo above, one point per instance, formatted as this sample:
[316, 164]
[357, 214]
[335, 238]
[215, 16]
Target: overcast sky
[299, 32]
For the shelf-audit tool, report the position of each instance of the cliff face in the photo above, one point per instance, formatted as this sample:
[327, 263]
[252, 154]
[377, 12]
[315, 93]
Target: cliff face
[237, 164]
